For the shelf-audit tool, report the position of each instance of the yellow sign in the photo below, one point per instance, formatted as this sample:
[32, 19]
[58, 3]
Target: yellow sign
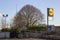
[50, 12]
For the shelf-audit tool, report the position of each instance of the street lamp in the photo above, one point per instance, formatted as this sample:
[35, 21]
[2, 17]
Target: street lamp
[5, 16]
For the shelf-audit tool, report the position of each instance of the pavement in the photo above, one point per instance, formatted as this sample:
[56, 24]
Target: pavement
[22, 39]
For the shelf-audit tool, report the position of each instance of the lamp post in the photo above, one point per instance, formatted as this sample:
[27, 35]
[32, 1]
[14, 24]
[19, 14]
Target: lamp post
[5, 16]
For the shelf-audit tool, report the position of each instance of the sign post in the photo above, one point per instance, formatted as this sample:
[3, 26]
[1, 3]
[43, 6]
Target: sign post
[49, 16]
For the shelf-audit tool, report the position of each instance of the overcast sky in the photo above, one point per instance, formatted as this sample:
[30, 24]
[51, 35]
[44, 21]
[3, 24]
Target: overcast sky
[9, 7]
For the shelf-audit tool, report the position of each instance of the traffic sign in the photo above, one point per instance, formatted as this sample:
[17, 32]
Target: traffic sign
[50, 12]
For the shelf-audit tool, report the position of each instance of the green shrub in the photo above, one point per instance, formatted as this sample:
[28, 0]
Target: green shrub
[5, 30]
[38, 28]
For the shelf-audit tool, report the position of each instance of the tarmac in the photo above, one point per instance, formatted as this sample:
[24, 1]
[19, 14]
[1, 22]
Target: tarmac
[22, 39]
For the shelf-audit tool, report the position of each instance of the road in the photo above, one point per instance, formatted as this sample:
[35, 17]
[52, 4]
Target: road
[22, 39]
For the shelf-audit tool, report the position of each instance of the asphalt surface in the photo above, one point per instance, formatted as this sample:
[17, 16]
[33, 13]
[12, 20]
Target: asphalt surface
[22, 39]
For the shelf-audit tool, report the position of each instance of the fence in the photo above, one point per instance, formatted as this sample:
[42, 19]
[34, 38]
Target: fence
[4, 34]
[30, 35]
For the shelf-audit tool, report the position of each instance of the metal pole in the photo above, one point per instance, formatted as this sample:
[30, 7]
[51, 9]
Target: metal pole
[47, 18]
[47, 22]
[5, 21]
[2, 22]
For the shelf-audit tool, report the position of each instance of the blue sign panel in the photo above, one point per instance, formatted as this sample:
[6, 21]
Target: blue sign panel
[51, 28]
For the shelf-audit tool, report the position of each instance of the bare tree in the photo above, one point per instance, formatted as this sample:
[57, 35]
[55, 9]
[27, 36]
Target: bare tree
[28, 15]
